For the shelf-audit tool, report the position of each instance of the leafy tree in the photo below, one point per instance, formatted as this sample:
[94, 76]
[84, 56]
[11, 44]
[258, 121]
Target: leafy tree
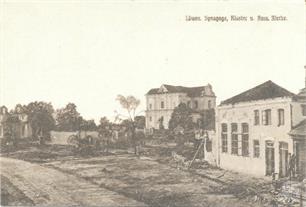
[104, 122]
[207, 120]
[181, 116]
[104, 126]
[40, 115]
[68, 118]
[130, 104]
[140, 122]
[87, 125]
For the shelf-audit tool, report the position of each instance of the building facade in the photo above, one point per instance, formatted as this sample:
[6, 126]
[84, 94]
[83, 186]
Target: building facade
[16, 124]
[162, 101]
[253, 128]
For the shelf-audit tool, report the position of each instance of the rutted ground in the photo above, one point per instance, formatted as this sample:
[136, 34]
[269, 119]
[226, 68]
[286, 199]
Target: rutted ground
[153, 178]
[150, 182]
[11, 195]
[47, 186]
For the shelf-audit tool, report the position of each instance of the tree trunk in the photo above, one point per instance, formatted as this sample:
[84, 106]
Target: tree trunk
[134, 141]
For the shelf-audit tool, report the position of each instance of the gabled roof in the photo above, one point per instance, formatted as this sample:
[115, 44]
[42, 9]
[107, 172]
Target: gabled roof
[266, 90]
[299, 130]
[190, 91]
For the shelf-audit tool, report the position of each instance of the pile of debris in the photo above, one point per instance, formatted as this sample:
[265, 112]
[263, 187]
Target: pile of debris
[180, 161]
[291, 193]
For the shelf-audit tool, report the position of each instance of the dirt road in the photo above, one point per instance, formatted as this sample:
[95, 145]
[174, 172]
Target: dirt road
[46, 186]
[148, 181]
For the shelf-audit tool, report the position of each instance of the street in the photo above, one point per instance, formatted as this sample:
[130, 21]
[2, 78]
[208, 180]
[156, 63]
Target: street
[116, 180]
[46, 186]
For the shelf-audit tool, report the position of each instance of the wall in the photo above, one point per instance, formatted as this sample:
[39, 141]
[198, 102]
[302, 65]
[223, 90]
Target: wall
[297, 115]
[244, 113]
[60, 137]
[203, 102]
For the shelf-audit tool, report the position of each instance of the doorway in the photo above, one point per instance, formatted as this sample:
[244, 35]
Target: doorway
[283, 159]
[270, 158]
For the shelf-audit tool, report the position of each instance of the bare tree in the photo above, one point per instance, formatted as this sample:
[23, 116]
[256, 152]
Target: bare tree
[130, 104]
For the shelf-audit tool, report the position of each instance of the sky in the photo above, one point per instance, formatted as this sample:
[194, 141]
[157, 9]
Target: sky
[88, 52]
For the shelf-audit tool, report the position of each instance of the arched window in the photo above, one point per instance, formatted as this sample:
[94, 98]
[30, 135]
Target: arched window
[209, 104]
[162, 104]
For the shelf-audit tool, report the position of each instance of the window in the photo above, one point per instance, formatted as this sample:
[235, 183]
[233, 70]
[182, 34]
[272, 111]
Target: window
[256, 148]
[150, 118]
[266, 117]
[150, 106]
[224, 137]
[188, 104]
[304, 110]
[195, 104]
[209, 104]
[234, 128]
[281, 117]
[245, 139]
[162, 105]
[256, 117]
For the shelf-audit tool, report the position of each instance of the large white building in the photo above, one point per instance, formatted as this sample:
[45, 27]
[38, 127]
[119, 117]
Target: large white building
[252, 131]
[162, 101]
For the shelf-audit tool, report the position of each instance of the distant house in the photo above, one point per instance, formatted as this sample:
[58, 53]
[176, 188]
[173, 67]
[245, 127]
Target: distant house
[253, 128]
[162, 101]
[16, 123]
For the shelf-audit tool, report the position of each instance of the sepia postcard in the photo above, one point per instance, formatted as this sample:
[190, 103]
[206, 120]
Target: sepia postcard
[135, 103]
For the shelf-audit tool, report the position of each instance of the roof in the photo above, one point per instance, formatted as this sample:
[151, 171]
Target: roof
[302, 92]
[191, 91]
[299, 130]
[266, 90]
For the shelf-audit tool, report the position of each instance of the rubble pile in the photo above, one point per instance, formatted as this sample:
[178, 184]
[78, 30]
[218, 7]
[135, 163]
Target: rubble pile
[291, 193]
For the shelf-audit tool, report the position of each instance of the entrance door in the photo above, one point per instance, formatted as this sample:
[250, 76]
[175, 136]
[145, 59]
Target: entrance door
[283, 159]
[270, 162]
